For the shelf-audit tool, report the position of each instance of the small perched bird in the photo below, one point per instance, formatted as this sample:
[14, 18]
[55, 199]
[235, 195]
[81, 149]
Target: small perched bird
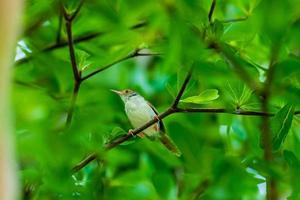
[139, 112]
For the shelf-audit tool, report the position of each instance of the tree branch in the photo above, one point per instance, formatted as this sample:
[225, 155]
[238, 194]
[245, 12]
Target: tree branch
[76, 73]
[168, 112]
[84, 162]
[266, 130]
[171, 110]
[120, 140]
[235, 20]
[71, 47]
[73, 102]
[79, 39]
[182, 89]
[211, 10]
[75, 13]
[131, 55]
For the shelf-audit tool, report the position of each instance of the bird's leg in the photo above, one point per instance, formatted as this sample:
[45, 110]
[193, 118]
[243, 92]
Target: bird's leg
[130, 132]
[156, 117]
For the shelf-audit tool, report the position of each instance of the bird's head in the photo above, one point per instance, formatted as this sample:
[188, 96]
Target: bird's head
[125, 94]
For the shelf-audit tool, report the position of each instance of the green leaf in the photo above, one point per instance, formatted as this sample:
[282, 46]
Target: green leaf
[281, 125]
[291, 159]
[82, 57]
[203, 98]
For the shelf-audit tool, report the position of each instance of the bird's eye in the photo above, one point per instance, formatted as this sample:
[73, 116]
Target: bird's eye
[126, 91]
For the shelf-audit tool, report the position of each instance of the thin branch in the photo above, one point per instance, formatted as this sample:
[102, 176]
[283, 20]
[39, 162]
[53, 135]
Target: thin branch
[79, 39]
[131, 55]
[75, 13]
[72, 51]
[182, 89]
[76, 72]
[235, 20]
[168, 112]
[211, 10]
[72, 105]
[200, 189]
[222, 110]
[88, 159]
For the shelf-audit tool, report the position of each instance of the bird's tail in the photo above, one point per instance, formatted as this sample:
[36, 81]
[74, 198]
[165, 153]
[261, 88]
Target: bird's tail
[169, 144]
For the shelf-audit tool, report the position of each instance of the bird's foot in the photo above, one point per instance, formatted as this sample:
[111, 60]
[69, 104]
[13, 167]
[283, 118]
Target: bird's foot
[130, 132]
[156, 117]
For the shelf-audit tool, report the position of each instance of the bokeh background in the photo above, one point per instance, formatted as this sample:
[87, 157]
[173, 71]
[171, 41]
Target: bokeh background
[222, 156]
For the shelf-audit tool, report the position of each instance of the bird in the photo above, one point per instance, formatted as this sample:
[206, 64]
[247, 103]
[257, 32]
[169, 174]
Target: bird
[139, 111]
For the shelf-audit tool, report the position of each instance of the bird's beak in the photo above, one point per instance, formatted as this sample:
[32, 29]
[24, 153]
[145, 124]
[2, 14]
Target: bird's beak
[117, 92]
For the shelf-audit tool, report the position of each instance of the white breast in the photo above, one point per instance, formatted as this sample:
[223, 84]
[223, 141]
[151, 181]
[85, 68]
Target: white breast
[139, 112]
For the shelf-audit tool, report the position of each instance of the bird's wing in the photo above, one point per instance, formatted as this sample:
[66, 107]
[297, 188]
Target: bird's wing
[160, 122]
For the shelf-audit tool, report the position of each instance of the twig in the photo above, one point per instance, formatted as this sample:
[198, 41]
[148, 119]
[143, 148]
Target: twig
[75, 13]
[71, 51]
[200, 189]
[77, 75]
[124, 138]
[169, 111]
[235, 20]
[211, 11]
[84, 162]
[73, 102]
[79, 39]
[182, 89]
[131, 55]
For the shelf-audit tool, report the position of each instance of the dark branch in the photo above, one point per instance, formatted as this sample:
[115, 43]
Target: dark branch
[72, 105]
[168, 112]
[84, 162]
[75, 13]
[235, 20]
[76, 72]
[182, 89]
[72, 51]
[211, 10]
[80, 39]
[132, 55]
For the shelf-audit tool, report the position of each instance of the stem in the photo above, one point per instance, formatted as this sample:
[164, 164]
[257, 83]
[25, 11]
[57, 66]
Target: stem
[72, 105]
[79, 39]
[84, 162]
[71, 50]
[211, 11]
[272, 193]
[132, 55]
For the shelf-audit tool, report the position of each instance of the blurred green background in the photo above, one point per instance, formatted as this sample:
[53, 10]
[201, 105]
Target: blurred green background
[222, 156]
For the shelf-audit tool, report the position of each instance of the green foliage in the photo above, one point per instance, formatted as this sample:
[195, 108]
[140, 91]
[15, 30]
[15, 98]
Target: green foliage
[281, 125]
[203, 98]
[221, 155]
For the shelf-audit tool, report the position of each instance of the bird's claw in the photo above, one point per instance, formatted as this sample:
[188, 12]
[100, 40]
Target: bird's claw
[156, 117]
[130, 132]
